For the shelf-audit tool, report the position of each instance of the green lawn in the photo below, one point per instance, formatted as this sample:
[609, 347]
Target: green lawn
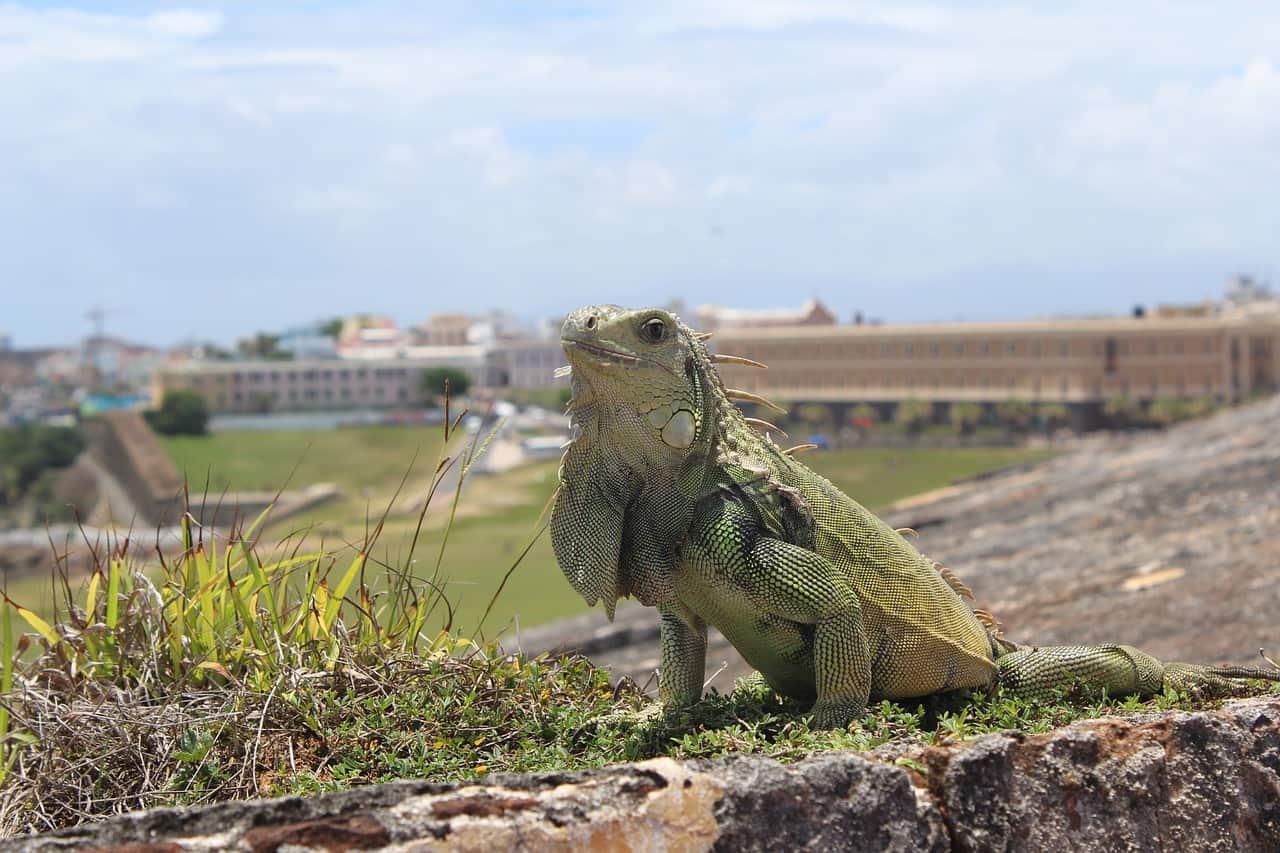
[354, 458]
[498, 514]
[879, 476]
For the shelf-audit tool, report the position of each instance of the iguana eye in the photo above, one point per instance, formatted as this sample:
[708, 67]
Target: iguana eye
[653, 330]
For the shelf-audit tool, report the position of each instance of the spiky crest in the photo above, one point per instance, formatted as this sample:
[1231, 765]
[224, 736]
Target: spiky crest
[765, 426]
[953, 581]
[738, 394]
[799, 448]
[721, 358]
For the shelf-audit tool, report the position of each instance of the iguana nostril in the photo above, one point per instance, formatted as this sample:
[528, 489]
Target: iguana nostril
[591, 322]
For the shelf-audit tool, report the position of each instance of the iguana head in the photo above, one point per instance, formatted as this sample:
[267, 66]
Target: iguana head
[644, 412]
[637, 370]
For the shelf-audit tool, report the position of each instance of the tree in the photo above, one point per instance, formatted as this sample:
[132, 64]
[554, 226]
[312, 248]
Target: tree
[432, 382]
[1171, 410]
[1199, 407]
[814, 415]
[209, 351]
[332, 328]
[1121, 411]
[965, 417]
[263, 345]
[863, 417]
[180, 413]
[28, 453]
[1053, 415]
[1014, 414]
[913, 415]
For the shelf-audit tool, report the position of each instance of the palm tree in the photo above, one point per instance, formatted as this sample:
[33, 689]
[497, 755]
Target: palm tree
[1014, 414]
[965, 417]
[913, 415]
[1120, 411]
[1054, 415]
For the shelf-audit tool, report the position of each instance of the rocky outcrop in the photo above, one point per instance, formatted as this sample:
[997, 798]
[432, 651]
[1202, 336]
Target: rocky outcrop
[1173, 781]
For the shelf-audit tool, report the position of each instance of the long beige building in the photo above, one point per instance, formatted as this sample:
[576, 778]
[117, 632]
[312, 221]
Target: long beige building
[313, 385]
[1082, 363]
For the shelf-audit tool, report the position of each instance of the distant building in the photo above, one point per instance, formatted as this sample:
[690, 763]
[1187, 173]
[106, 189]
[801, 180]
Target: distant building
[18, 368]
[467, 329]
[524, 363]
[368, 337]
[1226, 355]
[6, 343]
[307, 344]
[712, 318]
[101, 361]
[318, 384]
[444, 330]
[65, 367]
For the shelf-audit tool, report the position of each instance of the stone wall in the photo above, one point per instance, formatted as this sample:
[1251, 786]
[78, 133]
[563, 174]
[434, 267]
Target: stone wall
[125, 448]
[1172, 781]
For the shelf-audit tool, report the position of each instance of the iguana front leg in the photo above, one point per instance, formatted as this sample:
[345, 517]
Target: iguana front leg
[785, 587]
[684, 656]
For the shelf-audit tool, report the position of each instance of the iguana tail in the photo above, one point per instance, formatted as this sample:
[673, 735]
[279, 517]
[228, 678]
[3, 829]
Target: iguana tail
[1040, 672]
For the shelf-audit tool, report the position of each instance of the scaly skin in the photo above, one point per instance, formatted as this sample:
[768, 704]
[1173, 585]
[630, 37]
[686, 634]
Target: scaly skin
[669, 495]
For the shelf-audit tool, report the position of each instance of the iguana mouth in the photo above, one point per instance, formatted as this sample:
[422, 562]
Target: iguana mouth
[604, 351]
[615, 355]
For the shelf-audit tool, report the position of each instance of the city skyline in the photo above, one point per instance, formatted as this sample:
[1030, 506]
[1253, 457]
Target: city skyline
[212, 170]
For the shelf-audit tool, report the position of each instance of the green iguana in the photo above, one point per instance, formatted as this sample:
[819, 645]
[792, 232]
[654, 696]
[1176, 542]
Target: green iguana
[669, 494]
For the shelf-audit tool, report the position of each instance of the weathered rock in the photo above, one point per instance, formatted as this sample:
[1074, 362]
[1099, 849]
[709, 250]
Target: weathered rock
[1177, 781]
[1170, 781]
[837, 801]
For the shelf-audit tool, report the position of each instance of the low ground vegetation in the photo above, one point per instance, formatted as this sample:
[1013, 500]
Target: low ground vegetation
[229, 672]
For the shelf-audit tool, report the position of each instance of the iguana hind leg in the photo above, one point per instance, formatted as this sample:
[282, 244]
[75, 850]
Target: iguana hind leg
[1043, 671]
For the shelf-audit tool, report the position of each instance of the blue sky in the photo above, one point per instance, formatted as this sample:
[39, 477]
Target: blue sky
[211, 169]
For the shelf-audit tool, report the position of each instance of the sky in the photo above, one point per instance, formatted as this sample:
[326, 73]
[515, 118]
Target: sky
[207, 170]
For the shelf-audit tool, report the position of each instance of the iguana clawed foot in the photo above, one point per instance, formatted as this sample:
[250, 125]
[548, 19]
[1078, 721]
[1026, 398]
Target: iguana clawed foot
[836, 713]
[753, 686]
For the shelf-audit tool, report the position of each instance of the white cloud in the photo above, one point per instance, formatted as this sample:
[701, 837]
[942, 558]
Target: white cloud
[645, 182]
[499, 163]
[184, 24]
[726, 186]
[818, 141]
